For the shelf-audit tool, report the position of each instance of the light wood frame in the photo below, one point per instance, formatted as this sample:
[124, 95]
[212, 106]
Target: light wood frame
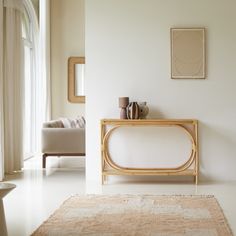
[72, 61]
[188, 57]
[189, 168]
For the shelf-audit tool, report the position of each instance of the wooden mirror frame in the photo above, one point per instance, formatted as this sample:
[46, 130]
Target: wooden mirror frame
[72, 97]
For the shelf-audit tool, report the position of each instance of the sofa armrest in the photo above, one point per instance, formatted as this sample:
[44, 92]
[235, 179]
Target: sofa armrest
[63, 140]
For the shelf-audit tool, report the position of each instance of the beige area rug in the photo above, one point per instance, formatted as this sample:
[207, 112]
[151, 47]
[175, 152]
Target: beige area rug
[137, 215]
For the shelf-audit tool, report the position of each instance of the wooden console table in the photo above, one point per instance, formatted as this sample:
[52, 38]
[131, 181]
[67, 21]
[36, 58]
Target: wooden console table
[189, 168]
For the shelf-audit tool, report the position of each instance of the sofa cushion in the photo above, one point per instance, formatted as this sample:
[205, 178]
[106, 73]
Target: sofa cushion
[78, 122]
[53, 124]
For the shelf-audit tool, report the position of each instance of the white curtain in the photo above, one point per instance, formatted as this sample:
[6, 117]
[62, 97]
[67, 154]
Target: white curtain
[1, 95]
[44, 45]
[12, 80]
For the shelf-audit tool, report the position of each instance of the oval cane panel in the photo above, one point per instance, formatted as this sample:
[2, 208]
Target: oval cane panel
[149, 147]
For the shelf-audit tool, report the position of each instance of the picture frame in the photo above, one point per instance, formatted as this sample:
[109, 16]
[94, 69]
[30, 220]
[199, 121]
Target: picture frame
[188, 59]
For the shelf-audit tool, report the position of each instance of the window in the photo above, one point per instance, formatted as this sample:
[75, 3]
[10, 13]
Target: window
[28, 38]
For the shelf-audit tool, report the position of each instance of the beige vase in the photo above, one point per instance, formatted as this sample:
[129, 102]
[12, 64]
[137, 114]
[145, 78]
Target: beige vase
[143, 110]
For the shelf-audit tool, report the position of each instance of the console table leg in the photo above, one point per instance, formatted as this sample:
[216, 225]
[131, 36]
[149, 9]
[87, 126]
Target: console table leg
[104, 178]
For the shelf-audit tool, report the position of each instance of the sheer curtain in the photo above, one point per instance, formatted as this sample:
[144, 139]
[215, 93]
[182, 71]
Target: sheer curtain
[44, 56]
[1, 94]
[12, 80]
[12, 89]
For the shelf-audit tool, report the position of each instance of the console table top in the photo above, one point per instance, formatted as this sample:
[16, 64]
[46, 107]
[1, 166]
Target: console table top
[149, 121]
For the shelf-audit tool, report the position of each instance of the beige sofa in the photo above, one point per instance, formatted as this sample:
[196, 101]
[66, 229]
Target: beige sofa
[60, 141]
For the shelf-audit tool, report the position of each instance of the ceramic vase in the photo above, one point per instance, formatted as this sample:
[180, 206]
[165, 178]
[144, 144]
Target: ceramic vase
[133, 110]
[123, 103]
[143, 110]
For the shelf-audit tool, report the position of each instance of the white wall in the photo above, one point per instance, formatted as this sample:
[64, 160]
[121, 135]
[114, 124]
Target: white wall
[128, 54]
[67, 39]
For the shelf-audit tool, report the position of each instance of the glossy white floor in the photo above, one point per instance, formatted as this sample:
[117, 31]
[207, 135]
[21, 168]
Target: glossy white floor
[40, 192]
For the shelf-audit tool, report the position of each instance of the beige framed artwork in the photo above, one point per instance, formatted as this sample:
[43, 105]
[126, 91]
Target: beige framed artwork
[188, 53]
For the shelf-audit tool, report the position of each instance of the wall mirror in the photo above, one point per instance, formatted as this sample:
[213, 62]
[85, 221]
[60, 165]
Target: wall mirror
[76, 68]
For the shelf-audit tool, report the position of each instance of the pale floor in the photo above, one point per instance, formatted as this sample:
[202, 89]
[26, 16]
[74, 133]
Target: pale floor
[40, 192]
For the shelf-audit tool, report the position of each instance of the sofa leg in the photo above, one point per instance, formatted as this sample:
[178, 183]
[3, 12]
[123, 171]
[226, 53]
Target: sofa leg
[44, 160]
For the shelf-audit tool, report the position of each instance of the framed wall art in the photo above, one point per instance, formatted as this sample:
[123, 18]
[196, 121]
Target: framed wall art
[188, 53]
